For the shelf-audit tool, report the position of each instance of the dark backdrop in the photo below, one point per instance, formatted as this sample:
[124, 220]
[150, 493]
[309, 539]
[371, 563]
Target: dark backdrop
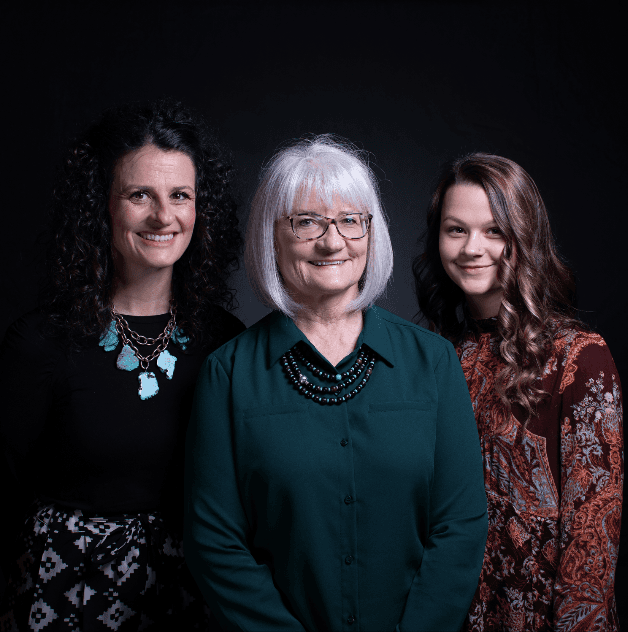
[411, 82]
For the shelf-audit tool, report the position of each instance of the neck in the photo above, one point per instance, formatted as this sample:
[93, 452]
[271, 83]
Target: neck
[321, 307]
[334, 333]
[485, 306]
[315, 320]
[144, 294]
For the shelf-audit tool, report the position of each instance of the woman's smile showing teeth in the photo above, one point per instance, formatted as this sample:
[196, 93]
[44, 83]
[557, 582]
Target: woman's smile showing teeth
[155, 237]
[326, 263]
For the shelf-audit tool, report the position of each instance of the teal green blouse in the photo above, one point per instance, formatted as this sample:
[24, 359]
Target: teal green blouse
[367, 515]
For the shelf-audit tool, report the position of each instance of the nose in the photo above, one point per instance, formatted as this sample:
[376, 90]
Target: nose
[332, 240]
[474, 244]
[162, 212]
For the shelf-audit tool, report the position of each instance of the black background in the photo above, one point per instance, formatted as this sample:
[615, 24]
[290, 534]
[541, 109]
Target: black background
[413, 83]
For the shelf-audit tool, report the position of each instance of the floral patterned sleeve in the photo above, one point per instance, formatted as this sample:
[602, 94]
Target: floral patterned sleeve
[591, 487]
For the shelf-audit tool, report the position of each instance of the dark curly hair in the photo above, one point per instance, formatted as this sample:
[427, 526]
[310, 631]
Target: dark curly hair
[538, 287]
[77, 295]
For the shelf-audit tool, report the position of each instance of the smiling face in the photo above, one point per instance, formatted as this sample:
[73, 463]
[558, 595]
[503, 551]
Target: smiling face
[471, 247]
[152, 207]
[329, 267]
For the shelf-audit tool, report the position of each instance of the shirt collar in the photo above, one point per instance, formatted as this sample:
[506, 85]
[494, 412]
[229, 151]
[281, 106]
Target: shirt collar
[283, 334]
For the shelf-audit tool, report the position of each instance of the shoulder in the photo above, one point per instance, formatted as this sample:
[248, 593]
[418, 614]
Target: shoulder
[27, 335]
[571, 343]
[244, 341]
[405, 331]
[582, 355]
[408, 346]
[27, 349]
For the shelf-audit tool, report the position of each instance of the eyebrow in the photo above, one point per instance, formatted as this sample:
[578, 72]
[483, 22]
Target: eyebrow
[307, 212]
[453, 218]
[149, 188]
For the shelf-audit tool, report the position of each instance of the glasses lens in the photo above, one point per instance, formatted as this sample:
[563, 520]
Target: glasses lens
[352, 226]
[308, 226]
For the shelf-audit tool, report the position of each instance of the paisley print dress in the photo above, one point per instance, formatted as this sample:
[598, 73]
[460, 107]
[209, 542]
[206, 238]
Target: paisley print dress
[554, 490]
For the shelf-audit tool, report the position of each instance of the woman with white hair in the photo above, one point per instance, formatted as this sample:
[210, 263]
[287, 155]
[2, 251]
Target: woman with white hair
[334, 478]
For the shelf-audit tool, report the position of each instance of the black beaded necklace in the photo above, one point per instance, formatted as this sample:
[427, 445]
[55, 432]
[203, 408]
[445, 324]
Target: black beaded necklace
[363, 367]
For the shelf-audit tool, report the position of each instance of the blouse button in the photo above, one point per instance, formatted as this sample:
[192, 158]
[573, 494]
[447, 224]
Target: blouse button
[348, 559]
[348, 500]
[343, 442]
[351, 620]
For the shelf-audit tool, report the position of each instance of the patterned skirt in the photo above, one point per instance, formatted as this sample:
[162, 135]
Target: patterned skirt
[88, 574]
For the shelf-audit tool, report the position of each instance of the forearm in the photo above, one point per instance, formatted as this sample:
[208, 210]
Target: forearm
[448, 575]
[591, 494]
[240, 590]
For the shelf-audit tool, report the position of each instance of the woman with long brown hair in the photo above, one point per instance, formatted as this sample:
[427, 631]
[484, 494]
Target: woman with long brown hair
[546, 396]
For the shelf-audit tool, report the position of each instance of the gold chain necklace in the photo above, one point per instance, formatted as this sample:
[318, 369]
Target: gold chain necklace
[122, 327]
[130, 357]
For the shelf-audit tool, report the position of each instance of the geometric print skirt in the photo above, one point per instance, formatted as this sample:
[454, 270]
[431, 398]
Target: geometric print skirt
[100, 574]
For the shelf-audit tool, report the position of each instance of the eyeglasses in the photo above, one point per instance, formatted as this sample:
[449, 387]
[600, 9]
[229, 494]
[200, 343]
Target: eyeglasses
[309, 226]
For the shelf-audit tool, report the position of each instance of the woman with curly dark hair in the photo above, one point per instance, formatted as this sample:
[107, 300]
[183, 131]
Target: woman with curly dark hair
[97, 384]
[546, 396]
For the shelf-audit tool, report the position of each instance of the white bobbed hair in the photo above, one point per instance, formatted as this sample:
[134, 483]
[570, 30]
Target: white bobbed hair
[333, 171]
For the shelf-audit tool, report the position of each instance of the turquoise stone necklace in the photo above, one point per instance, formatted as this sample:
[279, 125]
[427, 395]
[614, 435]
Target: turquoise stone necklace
[130, 358]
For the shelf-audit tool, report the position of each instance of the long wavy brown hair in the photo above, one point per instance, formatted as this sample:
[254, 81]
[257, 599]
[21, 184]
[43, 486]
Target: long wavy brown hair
[538, 288]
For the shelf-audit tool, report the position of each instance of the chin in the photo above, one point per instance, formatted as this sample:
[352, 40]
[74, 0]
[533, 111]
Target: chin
[476, 286]
[158, 265]
[331, 292]
[475, 291]
[327, 292]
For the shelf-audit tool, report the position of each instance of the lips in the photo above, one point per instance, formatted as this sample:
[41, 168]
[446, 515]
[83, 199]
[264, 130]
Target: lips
[157, 237]
[473, 268]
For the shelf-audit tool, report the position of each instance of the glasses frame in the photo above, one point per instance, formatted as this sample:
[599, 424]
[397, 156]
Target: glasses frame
[330, 220]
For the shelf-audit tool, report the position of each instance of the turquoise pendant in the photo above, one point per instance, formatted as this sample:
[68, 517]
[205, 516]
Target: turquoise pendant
[109, 340]
[148, 385]
[166, 362]
[127, 360]
[179, 338]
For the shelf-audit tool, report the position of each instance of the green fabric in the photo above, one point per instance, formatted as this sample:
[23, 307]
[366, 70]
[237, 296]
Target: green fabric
[276, 504]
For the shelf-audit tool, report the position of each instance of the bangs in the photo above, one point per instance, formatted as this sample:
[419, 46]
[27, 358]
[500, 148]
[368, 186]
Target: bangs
[323, 182]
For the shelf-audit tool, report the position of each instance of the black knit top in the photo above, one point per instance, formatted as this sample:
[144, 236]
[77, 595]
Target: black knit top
[75, 432]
